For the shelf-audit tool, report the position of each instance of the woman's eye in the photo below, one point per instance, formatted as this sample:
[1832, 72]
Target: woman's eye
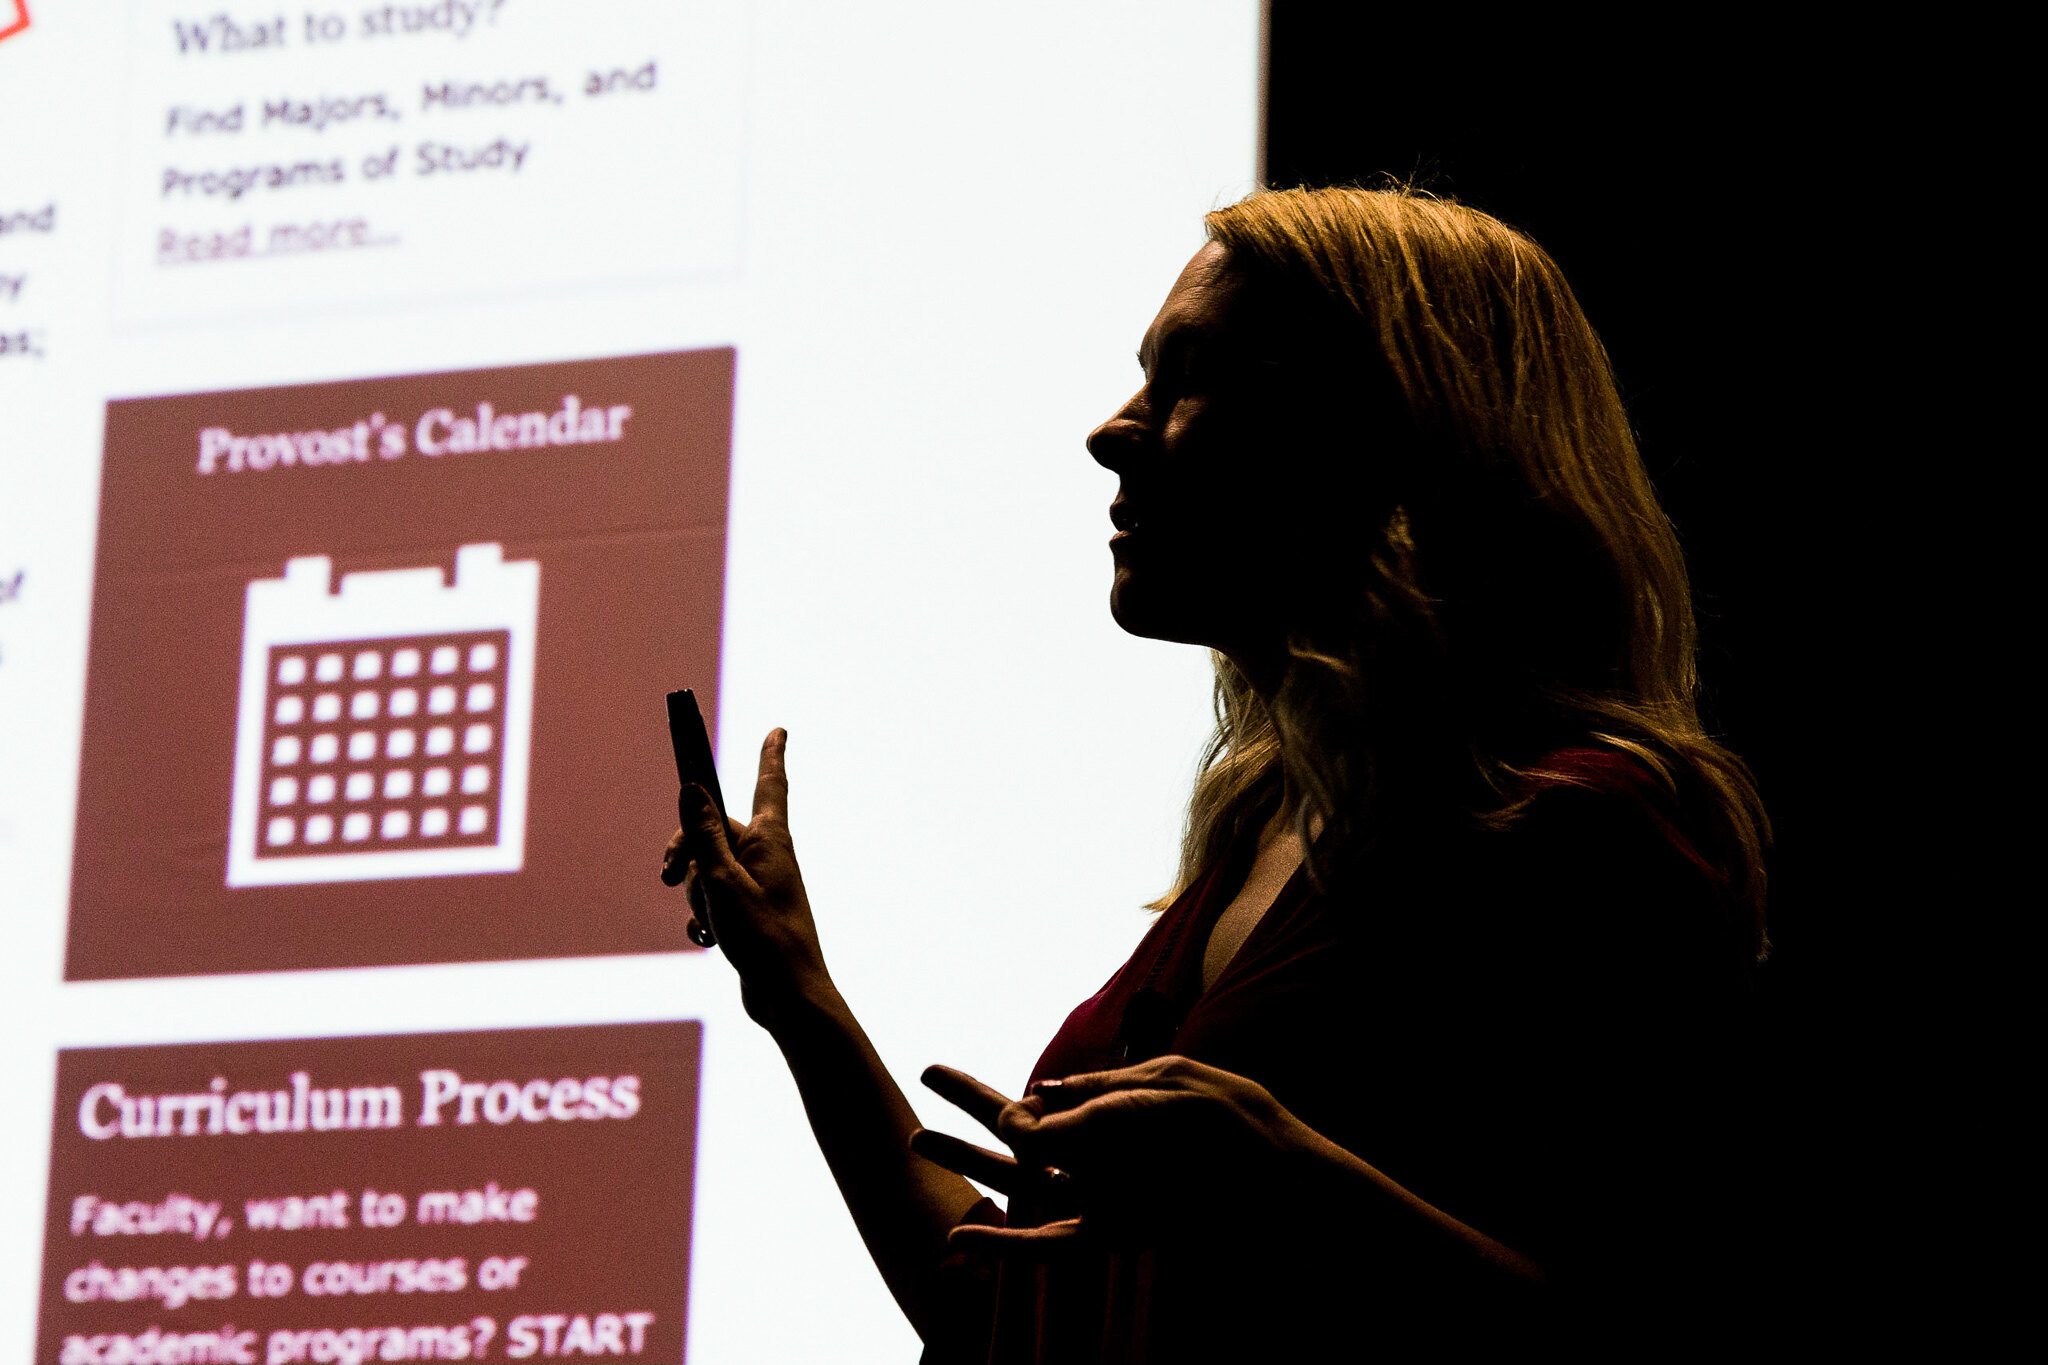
[1175, 376]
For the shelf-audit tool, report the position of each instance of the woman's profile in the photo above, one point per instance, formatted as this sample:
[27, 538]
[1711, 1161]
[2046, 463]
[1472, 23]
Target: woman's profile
[1434, 1041]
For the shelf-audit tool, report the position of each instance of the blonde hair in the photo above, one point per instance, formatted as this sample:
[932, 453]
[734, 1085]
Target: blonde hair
[1505, 584]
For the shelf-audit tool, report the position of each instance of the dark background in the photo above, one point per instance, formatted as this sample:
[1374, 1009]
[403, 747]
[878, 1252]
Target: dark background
[1729, 207]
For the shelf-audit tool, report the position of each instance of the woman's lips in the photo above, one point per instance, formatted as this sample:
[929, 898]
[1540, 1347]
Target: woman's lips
[1137, 523]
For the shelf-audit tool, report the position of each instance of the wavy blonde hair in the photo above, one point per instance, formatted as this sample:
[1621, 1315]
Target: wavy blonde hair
[1501, 583]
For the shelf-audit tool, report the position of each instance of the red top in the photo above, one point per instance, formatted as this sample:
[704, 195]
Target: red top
[1516, 1026]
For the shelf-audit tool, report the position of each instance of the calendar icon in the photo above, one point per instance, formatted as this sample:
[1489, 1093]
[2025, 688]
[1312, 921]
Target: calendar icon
[384, 729]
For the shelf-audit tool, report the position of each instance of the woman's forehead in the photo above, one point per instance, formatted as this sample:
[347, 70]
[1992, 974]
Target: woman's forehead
[1204, 269]
[1198, 299]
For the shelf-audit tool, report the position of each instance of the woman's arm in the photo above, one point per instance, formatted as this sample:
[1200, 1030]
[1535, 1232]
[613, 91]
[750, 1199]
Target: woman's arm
[748, 884]
[903, 1205]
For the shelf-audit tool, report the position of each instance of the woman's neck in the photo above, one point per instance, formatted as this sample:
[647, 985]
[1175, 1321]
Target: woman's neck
[1264, 667]
[1280, 852]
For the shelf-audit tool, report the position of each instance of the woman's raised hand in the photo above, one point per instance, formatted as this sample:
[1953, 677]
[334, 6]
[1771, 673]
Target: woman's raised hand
[1168, 1149]
[745, 886]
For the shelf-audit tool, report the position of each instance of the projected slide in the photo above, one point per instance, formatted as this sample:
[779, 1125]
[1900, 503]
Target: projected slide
[401, 398]
[507, 1195]
[399, 149]
[376, 666]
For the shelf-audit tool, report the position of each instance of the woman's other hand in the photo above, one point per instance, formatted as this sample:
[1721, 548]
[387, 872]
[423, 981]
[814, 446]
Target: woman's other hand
[1170, 1149]
[745, 886]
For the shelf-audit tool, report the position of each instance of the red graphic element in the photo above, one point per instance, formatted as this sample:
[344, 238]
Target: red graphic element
[367, 489]
[482, 1196]
[9, 26]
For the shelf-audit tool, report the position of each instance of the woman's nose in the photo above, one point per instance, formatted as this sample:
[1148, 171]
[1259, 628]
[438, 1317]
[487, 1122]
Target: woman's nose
[1113, 442]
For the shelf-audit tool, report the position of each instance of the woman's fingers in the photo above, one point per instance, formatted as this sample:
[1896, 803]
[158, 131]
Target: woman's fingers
[1051, 1242]
[964, 1092]
[771, 788]
[699, 925]
[675, 859]
[708, 862]
[1160, 1073]
[1106, 1132]
[993, 1169]
[704, 837]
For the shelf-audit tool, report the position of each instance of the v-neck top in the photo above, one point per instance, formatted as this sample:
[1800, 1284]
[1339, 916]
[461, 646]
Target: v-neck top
[1514, 1025]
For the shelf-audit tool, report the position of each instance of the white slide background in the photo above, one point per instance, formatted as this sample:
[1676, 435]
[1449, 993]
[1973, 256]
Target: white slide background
[934, 233]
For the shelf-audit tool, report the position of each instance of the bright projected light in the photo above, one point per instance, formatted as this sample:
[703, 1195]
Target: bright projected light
[398, 401]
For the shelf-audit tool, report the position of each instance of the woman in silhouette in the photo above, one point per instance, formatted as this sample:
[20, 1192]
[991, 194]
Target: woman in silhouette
[1431, 1045]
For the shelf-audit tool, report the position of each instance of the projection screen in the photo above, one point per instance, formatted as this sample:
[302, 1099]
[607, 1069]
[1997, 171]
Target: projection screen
[398, 400]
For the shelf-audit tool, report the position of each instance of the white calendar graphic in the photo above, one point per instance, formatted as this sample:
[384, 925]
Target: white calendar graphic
[384, 729]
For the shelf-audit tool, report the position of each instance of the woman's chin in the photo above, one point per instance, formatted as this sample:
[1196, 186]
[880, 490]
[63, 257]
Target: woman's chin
[1152, 615]
[1127, 605]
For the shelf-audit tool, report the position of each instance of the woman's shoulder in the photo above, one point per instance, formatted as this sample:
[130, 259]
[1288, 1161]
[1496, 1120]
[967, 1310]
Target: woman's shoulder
[1590, 800]
[1600, 858]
